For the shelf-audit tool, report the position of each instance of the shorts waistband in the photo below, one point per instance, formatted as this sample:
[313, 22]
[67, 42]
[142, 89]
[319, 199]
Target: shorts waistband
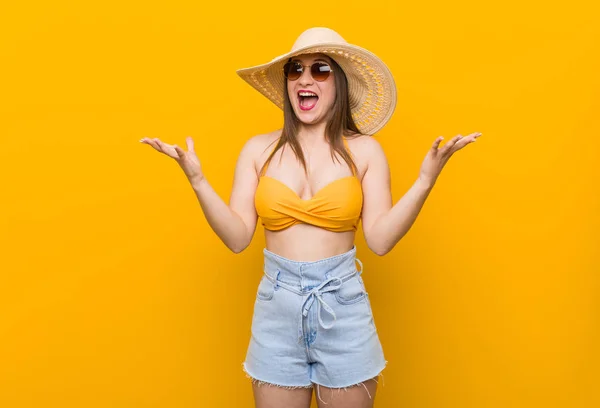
[308, 274]
[311, 280]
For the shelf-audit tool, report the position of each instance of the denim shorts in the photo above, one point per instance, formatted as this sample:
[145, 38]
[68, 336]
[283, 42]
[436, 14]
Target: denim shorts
[312, 323]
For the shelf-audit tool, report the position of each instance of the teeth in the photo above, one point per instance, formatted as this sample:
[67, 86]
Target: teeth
[307, 94]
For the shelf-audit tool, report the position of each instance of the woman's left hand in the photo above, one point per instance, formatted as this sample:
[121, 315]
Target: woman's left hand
[436, 158]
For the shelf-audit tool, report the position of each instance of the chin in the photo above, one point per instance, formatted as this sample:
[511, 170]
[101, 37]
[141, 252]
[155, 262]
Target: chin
[310, 118]
[311, 122]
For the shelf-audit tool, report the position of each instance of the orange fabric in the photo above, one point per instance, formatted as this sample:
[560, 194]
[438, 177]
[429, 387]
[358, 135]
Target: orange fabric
[335, 207]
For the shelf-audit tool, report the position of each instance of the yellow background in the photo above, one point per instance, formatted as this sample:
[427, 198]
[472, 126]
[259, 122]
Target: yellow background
[114, 291]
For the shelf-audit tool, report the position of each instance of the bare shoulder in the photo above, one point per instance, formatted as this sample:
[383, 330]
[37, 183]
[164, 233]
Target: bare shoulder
[365, 149]
[263, 140]
[363, 143]
[261, 143]
[257, 148]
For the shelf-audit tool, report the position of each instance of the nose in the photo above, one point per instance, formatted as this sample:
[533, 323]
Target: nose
[306, 77]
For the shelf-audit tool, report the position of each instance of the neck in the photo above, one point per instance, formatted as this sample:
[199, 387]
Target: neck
[311, 134]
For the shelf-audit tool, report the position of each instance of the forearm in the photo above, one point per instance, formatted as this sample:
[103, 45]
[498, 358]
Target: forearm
[225, 222]
[391, 226]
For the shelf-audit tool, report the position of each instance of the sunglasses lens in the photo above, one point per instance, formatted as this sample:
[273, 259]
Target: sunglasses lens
[292, 70]
[320, 71]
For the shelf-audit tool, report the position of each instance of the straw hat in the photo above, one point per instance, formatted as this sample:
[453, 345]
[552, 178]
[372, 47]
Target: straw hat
[371, 86]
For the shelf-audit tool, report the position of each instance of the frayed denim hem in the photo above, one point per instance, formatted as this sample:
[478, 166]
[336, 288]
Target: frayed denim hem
[260, 382]
[374, 378]
[294, 387]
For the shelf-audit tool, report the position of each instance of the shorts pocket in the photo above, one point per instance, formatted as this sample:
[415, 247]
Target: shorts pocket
[266, 289]
[351, 291]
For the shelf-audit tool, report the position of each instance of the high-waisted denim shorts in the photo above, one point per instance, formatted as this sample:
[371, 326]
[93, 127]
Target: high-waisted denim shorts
[313, 323]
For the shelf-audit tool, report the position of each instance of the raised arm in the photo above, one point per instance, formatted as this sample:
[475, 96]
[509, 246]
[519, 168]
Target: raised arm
[385, 224]
[234, 223]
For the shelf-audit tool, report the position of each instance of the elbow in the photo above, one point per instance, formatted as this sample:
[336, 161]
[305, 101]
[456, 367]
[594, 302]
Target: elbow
[380, 251]
[236, 250]
[379, 248]
[237, 246]
[381, 243]
[378, 245]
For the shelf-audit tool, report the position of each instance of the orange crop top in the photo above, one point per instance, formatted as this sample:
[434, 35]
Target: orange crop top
[335, 207]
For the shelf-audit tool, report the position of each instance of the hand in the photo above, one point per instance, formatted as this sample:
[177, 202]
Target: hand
[188, 161]
[436, 159]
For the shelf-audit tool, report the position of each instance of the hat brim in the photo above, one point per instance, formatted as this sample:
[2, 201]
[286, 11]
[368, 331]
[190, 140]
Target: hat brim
[371, 86]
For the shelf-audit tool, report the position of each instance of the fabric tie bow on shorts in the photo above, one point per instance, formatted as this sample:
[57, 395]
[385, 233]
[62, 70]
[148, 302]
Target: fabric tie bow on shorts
[331, 284]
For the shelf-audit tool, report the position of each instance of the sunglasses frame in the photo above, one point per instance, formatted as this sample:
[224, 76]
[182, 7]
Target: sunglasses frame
[306, 66]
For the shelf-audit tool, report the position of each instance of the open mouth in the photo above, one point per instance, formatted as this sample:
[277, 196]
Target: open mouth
[307, 100]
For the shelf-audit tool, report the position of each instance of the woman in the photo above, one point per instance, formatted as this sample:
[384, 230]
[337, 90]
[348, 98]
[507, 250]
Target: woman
[310, 183]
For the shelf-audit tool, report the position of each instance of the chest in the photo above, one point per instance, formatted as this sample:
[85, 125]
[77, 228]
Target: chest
[322, 172]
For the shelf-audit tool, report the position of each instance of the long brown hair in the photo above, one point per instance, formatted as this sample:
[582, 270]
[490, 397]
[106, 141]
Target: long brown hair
[340, 123]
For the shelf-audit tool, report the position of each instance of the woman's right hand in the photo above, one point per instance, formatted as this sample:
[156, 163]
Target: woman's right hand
[188, 161]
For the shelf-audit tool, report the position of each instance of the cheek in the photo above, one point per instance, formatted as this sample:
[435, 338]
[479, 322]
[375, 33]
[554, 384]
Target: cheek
[329, 94]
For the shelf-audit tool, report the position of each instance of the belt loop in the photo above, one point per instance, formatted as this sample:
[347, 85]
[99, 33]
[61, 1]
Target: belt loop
[277, 279]
[361, 266]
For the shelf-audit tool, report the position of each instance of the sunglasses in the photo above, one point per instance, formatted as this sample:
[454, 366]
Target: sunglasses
[319, 70]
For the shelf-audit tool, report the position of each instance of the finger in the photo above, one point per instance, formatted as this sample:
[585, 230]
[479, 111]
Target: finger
[159, 144]
[180, 151]
[153, 144]
[437, 142]
[465, 141]
[459, 145]
[470, 138]
[448, 146]
[473, 136]
[455, 139]
[190, 144]
[166, 148]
